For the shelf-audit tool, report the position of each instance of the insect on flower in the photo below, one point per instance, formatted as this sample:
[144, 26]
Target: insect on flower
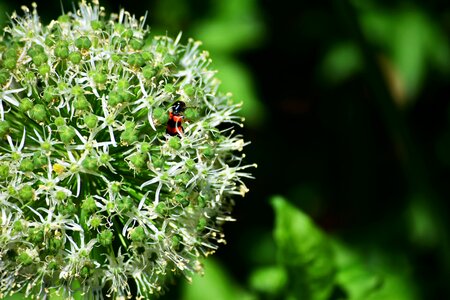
[176, 119]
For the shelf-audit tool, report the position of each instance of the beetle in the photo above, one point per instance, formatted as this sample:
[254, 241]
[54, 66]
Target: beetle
[174, 124]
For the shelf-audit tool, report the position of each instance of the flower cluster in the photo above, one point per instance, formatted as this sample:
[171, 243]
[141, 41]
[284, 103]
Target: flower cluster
[95, 195]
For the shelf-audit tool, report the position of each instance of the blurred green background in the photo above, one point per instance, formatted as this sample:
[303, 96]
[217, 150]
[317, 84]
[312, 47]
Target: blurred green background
[347, 110]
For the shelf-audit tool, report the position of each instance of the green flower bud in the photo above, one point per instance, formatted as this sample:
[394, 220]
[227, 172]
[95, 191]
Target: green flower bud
[136, 44]
[127, 33]
[49, 93]
[99, 77]
[177, 242]
[201, 224]
[4, 172]
[60, 195]
[54, 244]
[85, 272]
[49, 41]
[97, 25]
[26, 193]
[147, 55]
[191, 114]
[25, 105]
[169, 88]
[64, 19]
[95, 221]
[89, 204]
[161, 208]
[67, 208]
[36, 235]
[10, 63]
[60, 121]
[4, 128]
[148, 72]
[10, 53]
[119, 42]
[39, 160]
[157, 162]
[77, 91]
[114, 98]
[35, 49]
[202, 200]
[39, 59]
[81, 103]
[38, 113]
[104, 158]
[138, 160]
[136, 60]
[160, 115]
[145, 147]
[90, 163]
[24, 259]
[44, 69]
[129, 136]
[122, 84]
[115, 58]
[75, 57]
[105, 237]
[125, 204]
[53, 265]
[66, 133]
[137, 234]
[4, 76]
[83, 43]
[115, 187]
[26, 165]
[189, 89]
[18, 226]
[208, 151]
[190, 164]
[91, 121]
[174, 142]
[61, 49]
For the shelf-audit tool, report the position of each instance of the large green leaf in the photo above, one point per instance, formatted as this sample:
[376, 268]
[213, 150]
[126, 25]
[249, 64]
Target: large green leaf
[305, 252]
[215, 284]
[373, 275]
[269, 280]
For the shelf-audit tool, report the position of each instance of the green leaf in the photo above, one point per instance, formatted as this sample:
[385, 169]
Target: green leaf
[342, 61]
[305, 252]
[410, 41]
[373, 275]
[214, 284]
[236, 79]
[233, 25]
[269, 280]
[355, 278]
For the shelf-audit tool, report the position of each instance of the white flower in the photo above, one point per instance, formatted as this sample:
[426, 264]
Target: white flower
[102, 182]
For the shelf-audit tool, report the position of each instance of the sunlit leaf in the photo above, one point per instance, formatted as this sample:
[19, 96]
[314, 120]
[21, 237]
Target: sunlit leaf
[234, 25]
[424, 224]
[342, 61]
[305, 252]
[410, 40]
[237, 79]
[370, 276]
[269, 280]
[214, 284]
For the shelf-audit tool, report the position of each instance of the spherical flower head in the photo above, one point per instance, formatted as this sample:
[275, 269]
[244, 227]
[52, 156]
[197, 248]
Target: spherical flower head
[118, 163]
